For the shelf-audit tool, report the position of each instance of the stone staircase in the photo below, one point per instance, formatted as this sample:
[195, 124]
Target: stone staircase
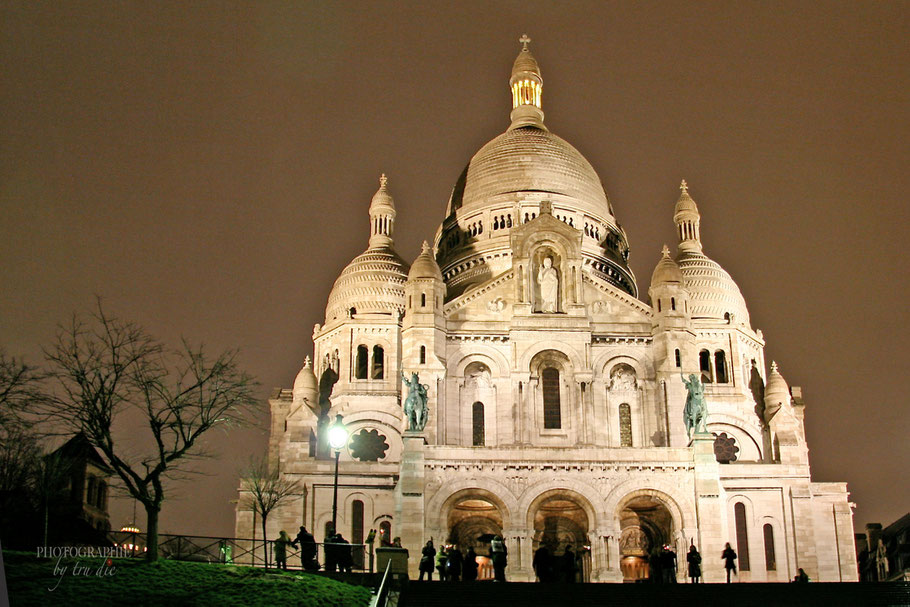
[477, 594]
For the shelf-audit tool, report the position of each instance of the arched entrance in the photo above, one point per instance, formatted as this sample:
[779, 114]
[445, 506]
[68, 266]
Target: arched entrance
[561, 523]
[473, 520]
[646, 525]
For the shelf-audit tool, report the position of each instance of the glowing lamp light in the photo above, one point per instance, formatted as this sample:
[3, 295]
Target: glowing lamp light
[338, 434]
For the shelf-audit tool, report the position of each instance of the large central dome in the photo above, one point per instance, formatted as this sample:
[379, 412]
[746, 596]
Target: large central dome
[529, 159]
[510, 180]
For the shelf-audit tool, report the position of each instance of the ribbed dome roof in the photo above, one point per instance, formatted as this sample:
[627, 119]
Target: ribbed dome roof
[372, 282]
[529, 159]
[425, 265]
[666, 271]
[712, 293]
[305, 384]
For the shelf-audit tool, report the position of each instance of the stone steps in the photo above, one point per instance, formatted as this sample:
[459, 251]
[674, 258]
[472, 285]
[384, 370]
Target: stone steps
[477, 594]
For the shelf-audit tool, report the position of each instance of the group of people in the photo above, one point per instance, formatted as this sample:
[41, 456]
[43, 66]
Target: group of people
[551, 568]
[449, 562]
[338, 551]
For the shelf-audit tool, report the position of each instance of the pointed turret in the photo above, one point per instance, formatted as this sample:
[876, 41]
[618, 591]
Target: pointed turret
[527, 86]
[777, 393]
[687, 218]
[382, 216]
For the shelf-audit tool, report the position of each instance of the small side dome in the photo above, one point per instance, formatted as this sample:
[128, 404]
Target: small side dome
[666, 271]
[777, 392]
[305, 385]
[425, 265]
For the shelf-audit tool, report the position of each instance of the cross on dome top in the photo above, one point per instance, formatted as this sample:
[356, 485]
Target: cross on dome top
[665, 251]
[383, 180]
[525, 40]
[684, 187]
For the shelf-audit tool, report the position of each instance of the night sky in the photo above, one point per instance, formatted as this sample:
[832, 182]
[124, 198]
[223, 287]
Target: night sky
[206, 168]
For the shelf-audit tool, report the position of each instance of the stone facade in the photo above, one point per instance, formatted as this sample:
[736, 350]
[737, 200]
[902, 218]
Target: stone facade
[555, 393]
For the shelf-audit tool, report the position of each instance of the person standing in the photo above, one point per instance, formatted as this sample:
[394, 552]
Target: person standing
[454, 563]
[568, 565]
[441, 559]
[729, 556]
[543, 564]
[694, 560]
[470, 565]
[307, 544]
[281, 550]
[500, 558]
[668, 564]
[427, 557]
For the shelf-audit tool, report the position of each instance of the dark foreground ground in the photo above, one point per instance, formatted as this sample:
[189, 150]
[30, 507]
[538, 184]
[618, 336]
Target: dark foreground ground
[480, 594]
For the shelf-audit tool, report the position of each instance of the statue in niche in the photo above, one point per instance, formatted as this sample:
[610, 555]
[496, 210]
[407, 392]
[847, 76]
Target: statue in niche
[548, 281]
[695, 414]
[623, 378]
[415, 405]
[478, 377]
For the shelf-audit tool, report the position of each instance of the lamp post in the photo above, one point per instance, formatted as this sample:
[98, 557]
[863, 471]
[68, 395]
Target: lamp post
[338, 438]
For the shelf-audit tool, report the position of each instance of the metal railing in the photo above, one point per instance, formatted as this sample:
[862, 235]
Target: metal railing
[242, 551]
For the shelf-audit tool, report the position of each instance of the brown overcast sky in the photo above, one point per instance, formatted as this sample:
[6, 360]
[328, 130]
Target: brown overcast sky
[207, 167]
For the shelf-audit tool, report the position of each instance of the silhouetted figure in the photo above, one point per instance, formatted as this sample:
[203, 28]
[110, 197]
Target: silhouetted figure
[427, 558]
[694, 560]
[543, 564]
[441, 559]
[345, 554]
[454, 564]
[470, 565]
[281, 550]
[500, 558]
[655, 571]
[801, 577]
[308, 549]
[567, 565]
[331, 552]
[668, 565]
[729, 556]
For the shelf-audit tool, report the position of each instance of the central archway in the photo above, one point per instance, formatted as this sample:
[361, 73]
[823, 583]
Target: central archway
[561, 522]
[645, 526]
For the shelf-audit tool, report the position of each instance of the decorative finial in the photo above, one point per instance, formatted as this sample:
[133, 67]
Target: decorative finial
[525, 40]
[666, 251]
[426, 247]
[773, 366]
[383, 180]
[306, 362]
[684, 187]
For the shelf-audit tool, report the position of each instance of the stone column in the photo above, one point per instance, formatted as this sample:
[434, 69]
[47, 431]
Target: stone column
[605, 556]
[409, 498]
[712, 530]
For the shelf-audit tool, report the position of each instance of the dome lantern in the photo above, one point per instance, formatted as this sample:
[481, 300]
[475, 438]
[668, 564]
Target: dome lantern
[687, 219]
[382, 216]
[527, 86]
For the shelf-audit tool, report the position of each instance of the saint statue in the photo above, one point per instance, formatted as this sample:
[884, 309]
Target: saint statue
[548, 280]
[415, 405]
[695, 414]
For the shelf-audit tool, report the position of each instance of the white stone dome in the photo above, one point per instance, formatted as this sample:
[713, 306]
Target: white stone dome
[425, 265]
[712, 293]
[305, 385]
[666, 271]
[529, 159]
[372, 282]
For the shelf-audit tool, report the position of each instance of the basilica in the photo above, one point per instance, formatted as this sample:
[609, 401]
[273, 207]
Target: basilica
[554, 394]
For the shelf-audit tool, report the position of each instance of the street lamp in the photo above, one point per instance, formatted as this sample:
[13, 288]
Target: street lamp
[338, 438]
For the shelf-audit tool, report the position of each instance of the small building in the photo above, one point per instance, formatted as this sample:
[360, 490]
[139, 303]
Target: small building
[83, 514]
[884, 554]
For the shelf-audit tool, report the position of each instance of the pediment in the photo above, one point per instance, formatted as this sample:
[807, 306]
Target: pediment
[606, 303]
[491, 300]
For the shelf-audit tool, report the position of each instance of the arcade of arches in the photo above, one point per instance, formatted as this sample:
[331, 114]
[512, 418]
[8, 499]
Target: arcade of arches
[559, 519]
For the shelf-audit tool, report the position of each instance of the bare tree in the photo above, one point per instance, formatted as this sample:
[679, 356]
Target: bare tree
[104, 366]
[20, 387]
[264, 490]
